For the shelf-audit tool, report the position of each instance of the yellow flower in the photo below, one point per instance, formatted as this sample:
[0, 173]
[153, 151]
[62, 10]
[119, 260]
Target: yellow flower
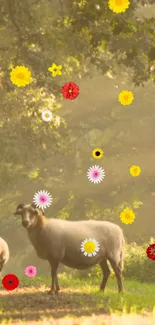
[55, 69]
[20, 76]
[90, 247]
[127, 216]
[118, 6]
[125, 97]
[97, 153]
[135, 170]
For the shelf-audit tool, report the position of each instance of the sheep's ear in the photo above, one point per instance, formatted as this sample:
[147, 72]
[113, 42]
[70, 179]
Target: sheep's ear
[38, 211]
[19, 209]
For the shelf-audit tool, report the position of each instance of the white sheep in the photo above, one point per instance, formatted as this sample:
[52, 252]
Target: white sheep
[4, 253]
[59, 241]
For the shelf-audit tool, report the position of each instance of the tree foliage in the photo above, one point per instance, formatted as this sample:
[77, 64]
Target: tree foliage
[84, 37]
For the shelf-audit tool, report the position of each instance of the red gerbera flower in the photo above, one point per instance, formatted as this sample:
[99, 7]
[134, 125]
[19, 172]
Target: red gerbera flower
[150, 251]
[70, 90]
[10, 282]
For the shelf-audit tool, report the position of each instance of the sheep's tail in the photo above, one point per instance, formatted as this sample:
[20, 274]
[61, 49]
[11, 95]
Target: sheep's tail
[121, 262]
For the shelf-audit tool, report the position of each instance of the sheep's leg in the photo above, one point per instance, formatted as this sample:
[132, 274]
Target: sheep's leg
[106, 272]
[1, 264]
[118, 273]
[57, 283]
[54, 285]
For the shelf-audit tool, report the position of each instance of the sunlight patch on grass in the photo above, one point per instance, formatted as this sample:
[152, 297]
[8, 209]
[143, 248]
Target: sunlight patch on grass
[137, 298]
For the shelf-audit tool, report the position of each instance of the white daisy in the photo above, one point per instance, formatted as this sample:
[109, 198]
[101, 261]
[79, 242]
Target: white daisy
[42, 199]
[90, 247]
[47, 115]
[96, 174]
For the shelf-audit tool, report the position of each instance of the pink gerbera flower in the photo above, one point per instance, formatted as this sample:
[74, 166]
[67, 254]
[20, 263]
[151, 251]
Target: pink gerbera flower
[95, 174]
[31, 271]
[42, 199]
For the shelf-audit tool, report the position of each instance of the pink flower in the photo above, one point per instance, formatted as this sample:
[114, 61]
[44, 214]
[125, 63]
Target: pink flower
[42, 199]
[30, 271]
[95, 174]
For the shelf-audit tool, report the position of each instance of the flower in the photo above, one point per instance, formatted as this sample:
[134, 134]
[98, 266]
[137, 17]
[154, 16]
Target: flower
[42, 199]
[97, 153]
[70, 90]
[47, 115]
[150, 251]
[31, 271]
[95, 174]
[20, 76]
[125, 97]
[10, 282]
[90, 247]
[118, 6]
[55, 69]
[135, 170]
[127, 216]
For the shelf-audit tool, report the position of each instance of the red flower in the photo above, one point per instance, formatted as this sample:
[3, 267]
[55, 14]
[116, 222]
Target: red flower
[70, 90]
[10, 282]
[150, 251]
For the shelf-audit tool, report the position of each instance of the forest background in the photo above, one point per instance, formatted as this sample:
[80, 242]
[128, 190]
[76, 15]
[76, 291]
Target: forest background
[103, 53]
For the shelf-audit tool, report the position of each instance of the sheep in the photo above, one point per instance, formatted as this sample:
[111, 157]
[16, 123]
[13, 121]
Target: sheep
[4, 253]
[59, 241]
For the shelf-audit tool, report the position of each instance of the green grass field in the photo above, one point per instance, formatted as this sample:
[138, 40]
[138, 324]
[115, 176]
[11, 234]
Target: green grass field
[30, 302]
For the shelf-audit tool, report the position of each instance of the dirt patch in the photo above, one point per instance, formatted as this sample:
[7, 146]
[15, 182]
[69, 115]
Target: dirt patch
[31, 304]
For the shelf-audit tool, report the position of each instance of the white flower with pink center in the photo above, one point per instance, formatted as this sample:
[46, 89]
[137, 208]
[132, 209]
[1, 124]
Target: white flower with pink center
[96, 174]
[42, 199]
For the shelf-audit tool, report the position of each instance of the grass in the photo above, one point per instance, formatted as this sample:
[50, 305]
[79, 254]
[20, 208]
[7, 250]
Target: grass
[137, 296]
[78, 298]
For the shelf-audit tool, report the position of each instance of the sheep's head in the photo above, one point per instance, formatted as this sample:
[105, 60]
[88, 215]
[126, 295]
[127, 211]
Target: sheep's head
[29, 213]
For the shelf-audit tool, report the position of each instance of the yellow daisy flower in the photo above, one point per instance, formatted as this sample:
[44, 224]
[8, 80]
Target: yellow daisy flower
[118, 6]
[97, 153]
[135, 170]
[20, 76]
[55, 69]
[90, 247]
[125, 97]
[127, 216]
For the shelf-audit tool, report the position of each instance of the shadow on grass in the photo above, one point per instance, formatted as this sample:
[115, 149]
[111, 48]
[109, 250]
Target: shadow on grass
[34, 304]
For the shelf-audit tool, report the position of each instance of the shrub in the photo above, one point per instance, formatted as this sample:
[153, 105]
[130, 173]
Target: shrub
[137, 266]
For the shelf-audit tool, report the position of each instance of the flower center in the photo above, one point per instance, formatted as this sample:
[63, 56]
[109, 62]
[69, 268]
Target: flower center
[10, 281]
[20, 75]
[127, 216]
[42, 199]
[70, 90]
[90, 247]
[118, 2]
[125, 96]
[95, 173]
[47, 115]
[152, 251]
[97, 153]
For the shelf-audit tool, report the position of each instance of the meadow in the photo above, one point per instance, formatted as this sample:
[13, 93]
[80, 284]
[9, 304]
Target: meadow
[79, 302]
